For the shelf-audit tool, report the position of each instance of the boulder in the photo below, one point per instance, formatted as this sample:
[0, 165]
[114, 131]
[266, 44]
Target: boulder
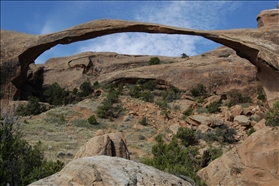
[242, 120]
[112, 144]
[110, 171]
[237, 110]
[254, 162]
[260, 125]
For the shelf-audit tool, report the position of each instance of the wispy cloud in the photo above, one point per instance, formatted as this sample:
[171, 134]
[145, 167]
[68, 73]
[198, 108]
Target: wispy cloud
[188, 14]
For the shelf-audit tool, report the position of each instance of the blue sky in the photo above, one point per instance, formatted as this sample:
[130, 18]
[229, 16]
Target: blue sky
[43, 17]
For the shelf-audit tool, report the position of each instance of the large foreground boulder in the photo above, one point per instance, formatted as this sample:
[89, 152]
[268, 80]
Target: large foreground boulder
[110, 171]
[254, 162]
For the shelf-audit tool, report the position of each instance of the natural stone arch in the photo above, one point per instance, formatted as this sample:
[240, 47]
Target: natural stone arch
[251, 44]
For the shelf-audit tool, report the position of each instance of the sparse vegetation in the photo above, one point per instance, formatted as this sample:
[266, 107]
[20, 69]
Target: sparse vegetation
[143, 121]
[187, 136]
[261, 95]
[92, 120]
[174, 159]
[184, 55]
[21, 163]
[236, 97]
[55, 95]
[188, 111]
[109, 108]
[272, 115]
[154, 61]
[33, 107]
[251, 131]
[199, 90]
[214, 107]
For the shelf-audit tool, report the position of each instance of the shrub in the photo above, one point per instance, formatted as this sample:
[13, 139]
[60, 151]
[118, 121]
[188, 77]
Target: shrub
[184, 55]
[174, 159]
[261, 95]
[176, 107]
[225, 55]
[143, 121]
[22, 164]
[201, 110]
[154, 61]
[213, 107]
[55, 95]
[236, 97]
[251, 131]
[188, 111]
[187, 136]
[272, 115]
[220, 134]
[199, 90]
[92, 120]
[108, 109]
[86, 89]
[170, 94]
[33, 107]
[162, 104]
[147, 96]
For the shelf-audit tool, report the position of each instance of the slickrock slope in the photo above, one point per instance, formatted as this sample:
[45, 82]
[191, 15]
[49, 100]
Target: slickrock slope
[18, 50]
[253, 162]
[219, 74]
[110, 171]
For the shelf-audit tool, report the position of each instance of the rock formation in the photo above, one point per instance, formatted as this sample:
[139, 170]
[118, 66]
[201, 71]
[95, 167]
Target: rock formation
[259, 46]
[112, 144]
[110, 171]
[253, 162]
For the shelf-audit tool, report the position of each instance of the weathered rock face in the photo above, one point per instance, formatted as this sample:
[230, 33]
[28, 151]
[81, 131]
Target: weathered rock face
[268, 17]
[18, 51]
[112, 144]
[254, 162]
[110, 171]
[219, 74]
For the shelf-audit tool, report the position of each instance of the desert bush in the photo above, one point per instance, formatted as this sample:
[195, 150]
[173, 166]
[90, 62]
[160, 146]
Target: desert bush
[214, 107]
[174, 159]
[176, 107]
[33, 107]
[92, 120]
[170, 94]
[201, 110]
[109, 108]
[21, 163]
[225, 55]
[261, 95]
[251, 131]
[187, 136]
[162, 104]
[143, 121]
[221, 134]
[199, 90]
[184, 55]
[85, 89]
[236, 97]
[188, 111]
[272, 115]
[147, 96]
[154, 61]
[55, 95]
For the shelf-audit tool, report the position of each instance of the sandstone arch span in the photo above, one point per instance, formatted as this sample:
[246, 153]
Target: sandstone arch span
[259, 46]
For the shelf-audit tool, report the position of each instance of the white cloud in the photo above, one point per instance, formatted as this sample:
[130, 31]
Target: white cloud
[189, 14]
